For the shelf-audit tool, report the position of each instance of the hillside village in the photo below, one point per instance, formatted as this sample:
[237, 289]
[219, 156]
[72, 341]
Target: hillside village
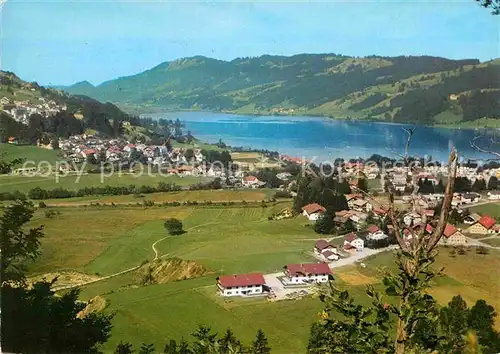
[20, 110]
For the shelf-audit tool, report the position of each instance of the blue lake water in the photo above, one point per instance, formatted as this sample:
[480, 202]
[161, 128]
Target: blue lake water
[323, 138]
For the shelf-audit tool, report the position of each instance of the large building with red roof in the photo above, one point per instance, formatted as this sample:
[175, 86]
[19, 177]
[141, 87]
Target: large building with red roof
[452, 236]
[313, 211]
[482, 226]
[307, 273]
[241, 284]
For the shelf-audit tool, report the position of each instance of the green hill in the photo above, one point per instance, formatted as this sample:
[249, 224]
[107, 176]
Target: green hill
[428, 90]
[80, 113]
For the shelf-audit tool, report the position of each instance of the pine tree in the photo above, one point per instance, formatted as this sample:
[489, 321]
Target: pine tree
[325, 224]
[170, 347]
[260, 344]
[493, 183]
[147, 348]
[453, 320]
[124, 348]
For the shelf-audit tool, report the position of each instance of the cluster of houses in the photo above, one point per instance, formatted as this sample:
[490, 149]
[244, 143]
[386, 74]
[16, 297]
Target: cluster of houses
[21, 110]
[252, 284]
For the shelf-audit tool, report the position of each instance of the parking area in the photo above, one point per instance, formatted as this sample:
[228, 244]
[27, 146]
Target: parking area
[280, 292]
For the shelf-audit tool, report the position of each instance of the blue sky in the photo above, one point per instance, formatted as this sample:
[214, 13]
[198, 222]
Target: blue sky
[62, 42]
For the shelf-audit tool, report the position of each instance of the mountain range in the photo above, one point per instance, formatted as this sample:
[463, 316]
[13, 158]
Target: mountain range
[414, 89]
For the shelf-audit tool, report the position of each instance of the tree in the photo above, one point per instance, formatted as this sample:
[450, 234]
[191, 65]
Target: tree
[63, 331]
[325, 224]
[481, 318]
[494, 5]
[493, 183]
[6, 166]
[170, 347]
[228, 342]
[54, 143]
[453, 319]
[24, 309]
[204, 340]
[363, 184]
[17, 244]
[124, 348]
[260, 344]
[479, 185]
[147, 348]
[173, 226]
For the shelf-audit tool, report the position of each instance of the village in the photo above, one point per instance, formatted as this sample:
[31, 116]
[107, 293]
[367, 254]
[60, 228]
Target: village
[367, 239]
[21, 110]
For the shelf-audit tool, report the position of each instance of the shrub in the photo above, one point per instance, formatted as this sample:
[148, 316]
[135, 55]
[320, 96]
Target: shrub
[173, 226]
[42, 205]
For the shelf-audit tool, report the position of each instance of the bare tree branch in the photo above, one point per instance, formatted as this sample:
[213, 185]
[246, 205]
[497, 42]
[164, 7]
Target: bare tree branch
[486, 150]
[446, 207]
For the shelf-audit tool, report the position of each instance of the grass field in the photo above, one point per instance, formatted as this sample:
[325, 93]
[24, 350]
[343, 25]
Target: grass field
[74, 182]
[180, 196]
[492, 209]
[228, 240]
[492, 241]
[158, 313]
[29, 153]
[107, 240]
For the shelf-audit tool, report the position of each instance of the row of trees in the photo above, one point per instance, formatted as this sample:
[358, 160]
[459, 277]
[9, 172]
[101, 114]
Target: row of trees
[204, 342]
[462, 185]
[38, 193]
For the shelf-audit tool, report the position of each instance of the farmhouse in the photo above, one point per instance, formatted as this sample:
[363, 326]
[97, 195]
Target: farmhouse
[307, 273]
[313, 211]
[322, 245]
[251, 182]
[482, 226]
[241, 284]
[374, 233]
[353, 240]
[452, 236]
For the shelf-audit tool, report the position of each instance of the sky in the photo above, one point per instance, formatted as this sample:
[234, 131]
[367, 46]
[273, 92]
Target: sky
[60, 42]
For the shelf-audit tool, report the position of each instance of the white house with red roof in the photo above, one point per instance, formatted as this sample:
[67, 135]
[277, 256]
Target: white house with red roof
[452, 236]
[353, 240]
[324, 249]
[241, 284]
[307, 273]
[251, 182]
[374, 233]
[482, 226]
[313, 211]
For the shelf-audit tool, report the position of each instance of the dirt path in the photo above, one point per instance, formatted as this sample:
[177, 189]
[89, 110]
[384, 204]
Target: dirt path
[155, 251]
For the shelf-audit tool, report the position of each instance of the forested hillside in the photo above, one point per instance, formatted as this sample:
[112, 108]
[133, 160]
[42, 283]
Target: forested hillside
[80, 112]
[420, 89]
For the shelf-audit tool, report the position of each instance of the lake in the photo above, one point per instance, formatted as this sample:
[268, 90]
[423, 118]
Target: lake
[323, 138]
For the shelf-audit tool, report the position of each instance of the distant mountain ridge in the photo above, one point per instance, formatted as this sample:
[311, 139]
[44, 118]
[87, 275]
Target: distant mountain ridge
[418, 89]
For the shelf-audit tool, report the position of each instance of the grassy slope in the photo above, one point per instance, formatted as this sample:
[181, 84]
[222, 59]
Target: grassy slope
[492, 209]
[161, 312]
[29, 153]
[113, 239]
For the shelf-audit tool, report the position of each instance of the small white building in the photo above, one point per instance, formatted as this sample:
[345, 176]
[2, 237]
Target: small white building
[374, 233]
[241, 284]
[307, 273]
[353, 240]
[313, 211]
[494, 195]
[251, 182]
